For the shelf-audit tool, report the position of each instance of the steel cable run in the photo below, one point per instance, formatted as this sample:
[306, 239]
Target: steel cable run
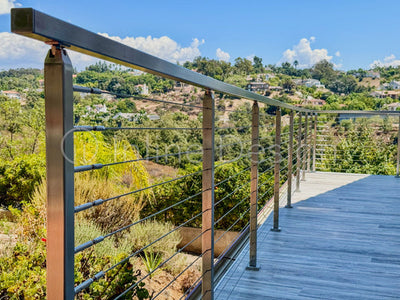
[101, 201]
[101, 274]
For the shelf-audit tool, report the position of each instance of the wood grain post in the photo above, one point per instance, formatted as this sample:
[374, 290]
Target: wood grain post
[314, 157]
[254, 187]
[208, 197]
[277, 169]
[298, 155]
[60, 174]
[290, 162]
[305, 151]
[398, 152]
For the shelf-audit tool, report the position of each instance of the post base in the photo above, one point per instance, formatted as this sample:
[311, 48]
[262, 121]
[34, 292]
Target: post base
[251, 268]
[275, 229]
[288, 206]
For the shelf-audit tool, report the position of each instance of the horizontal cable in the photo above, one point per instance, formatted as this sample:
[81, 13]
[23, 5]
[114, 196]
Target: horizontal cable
[149, 99]
[101, 201]
[229, 211]
[233, 160]
[191, 287]
[99, 166]
[101, 274]
[241, 127]
[176, 277]
[163, 263]
[231, 193]
[233, 176]
[269, 169]
[101, 238]
[262, 196]
[236, 143]
[84, 89]
[102, 128]
[230, 227]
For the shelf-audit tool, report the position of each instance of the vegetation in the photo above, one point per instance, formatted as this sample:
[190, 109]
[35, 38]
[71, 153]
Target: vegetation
[364, 146]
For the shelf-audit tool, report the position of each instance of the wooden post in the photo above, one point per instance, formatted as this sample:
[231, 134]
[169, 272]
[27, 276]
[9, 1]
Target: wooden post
[290, 161]
[208, 197]
[298, 156]
[254, 188]
[315, 142]
[277, 169]
[303, 177]
[60, 174]
[398, 151]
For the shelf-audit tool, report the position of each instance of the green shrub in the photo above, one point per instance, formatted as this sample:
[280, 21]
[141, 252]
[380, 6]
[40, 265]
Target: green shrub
[19, 178]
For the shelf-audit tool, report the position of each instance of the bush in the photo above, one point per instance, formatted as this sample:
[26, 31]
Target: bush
[19, 178]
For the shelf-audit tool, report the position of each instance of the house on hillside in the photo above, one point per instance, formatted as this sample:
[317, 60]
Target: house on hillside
[258, 86]
[394, 85]
[309, 82]
[386, 94]
[373, 75]
[142, 89]
[97, 108]
[275, 88]
[269, 76]
[393, 106]
[11, 94]
[314, 102]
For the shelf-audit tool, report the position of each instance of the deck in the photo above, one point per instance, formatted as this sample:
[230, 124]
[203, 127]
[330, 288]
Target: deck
[340, 241]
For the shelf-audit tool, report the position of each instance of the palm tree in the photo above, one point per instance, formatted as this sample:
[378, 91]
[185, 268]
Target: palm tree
[296, 63]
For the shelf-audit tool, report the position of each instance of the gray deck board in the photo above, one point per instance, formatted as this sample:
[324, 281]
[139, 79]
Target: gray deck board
[340, 241]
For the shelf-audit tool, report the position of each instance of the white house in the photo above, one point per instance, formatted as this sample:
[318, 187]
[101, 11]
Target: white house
[393, 106]
[313, 82]
[97, 108]
[11, 94]
[395, 85]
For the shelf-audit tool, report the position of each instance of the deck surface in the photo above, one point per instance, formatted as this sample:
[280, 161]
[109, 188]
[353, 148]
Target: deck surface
[341, 240]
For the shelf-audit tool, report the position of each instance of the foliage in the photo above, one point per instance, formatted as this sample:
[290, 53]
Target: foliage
[19, 178]
[151, 261]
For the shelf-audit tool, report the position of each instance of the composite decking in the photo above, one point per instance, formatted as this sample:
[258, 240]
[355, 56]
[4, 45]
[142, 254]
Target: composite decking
[341, 240]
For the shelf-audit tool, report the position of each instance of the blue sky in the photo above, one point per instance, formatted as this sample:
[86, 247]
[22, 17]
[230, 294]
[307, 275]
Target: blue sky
[351, 33]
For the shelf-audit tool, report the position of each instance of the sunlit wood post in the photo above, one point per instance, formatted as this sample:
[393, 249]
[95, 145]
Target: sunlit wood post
[398, 152]
[310, 137]
[298, 155]
[277, 169]
[254, 187]
[305, 151]
[314, 168]
[208, 197]
[290, 161]
[60, 174]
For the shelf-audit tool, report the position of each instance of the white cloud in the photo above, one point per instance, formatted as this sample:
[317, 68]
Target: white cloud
[6, 5]
[337, 53]
[221, 55]
[20, 52]
[303, 53]
[387, 62]
[163, 47]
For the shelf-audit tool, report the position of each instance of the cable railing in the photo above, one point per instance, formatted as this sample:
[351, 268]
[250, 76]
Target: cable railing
[236, 172]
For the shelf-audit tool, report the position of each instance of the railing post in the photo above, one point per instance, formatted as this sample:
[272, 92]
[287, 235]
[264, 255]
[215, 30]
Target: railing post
[208, 197]
[60, 174]
[314, 156]
[303, 177]
[310, 142]
[254, 187]
[298, 156]
[398, 152]
[277, 169]
[290, 161]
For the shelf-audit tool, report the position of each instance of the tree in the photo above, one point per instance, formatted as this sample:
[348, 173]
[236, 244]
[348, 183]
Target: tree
[296, 63]
[324, 71]
[257, 65]
[243, 66]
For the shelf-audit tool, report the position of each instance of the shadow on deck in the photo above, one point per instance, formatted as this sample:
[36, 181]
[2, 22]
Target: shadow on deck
[341, 240]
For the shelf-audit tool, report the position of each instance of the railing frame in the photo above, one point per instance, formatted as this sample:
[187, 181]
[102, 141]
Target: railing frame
[208, 197]
[277, 170]
[290, 161]
[254, 187]
[60, 174]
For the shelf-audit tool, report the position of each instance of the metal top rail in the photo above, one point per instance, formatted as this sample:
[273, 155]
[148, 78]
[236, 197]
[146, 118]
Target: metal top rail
[37, 25]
